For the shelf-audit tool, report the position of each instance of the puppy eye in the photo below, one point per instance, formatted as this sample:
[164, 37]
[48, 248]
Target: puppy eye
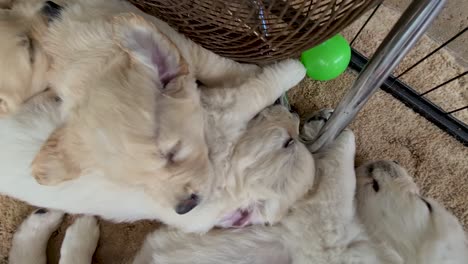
[429, 206]
[375, 185]
[288, 143]
[27, 42]
[370, 169]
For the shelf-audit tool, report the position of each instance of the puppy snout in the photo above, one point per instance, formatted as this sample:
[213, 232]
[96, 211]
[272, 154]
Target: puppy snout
[51, 10]
[186, 205]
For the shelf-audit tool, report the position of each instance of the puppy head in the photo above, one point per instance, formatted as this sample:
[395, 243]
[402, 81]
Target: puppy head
[392, 209]
[270, 170]
[132, 108]
[23, 62]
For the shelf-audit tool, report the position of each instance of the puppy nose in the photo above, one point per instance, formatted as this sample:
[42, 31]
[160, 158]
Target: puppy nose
[51, 10]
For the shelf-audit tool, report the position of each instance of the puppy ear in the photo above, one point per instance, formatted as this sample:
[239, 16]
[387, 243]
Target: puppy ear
[187, 204]
[147, 45]
[51, 166]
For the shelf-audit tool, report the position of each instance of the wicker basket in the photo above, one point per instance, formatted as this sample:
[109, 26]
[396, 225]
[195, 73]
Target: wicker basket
[257, 30]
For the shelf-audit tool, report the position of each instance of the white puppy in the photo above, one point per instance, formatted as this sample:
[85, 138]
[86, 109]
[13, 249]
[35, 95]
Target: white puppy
[412, 228]
[320, 228]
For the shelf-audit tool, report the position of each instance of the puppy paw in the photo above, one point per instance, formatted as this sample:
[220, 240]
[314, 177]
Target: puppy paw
[7, 106]
[314, 124]
[80, 240]
[30, 241]
[291, 72]
[41, 222]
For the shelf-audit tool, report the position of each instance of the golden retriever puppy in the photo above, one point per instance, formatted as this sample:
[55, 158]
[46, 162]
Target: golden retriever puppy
[23, 61]
[234, 190]
[320, 228]
[24, 64]
[412, 228]
[392, 223]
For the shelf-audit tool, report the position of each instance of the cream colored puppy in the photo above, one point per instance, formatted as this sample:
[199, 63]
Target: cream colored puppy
[321, 227]
[270, 170]
[257, 169]
[24, 63]
[132, 139]
[413, 228]
[392, 224]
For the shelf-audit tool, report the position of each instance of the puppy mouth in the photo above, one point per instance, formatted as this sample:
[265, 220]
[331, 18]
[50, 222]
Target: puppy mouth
[237, 219]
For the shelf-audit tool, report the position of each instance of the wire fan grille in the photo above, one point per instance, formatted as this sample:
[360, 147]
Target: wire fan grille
[257, 30]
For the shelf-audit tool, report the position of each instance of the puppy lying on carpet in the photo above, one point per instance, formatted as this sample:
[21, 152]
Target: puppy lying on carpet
[134, 138]
[321, 228]
[392, 223]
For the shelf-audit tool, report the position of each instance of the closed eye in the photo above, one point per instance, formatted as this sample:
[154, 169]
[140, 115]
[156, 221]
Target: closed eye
[429, 206]
[288, 143]
[375, 185]
[31, 50]
[28, 43]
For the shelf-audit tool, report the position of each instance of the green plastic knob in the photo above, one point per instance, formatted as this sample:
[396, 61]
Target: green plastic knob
[327, 60]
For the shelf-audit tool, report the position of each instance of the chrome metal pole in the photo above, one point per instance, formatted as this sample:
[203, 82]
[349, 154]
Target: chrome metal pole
[409, 28]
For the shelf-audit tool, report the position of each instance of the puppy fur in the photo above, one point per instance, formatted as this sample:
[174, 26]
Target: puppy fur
[412, 228]
[135, 138]
[237, 188]
[321, 227]
[325, 227]
[30, 241]
[23, 61]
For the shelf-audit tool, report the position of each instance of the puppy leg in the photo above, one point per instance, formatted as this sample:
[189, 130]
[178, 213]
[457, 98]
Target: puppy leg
[80, 241]
[30, 241]
[244, 102]
[215, 71]
[335, 165]
[218, 246]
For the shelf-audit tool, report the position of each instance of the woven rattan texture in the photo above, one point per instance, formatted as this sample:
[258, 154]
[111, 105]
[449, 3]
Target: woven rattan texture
[257, 30]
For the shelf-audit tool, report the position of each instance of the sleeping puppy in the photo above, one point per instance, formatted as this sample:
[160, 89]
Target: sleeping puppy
[131, 117]
[269, 172]
[245, 183]
[321, 227]
[325, 227]
[413, 228]
[24, 63]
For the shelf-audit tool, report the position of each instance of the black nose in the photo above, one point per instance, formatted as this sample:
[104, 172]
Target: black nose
[51, 10]
[186, 205]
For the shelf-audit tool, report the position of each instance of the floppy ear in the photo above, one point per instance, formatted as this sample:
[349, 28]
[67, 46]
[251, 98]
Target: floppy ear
[51, 165]
[147, 45]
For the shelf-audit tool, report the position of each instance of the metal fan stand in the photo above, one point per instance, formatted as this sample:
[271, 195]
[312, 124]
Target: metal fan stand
[409, 28]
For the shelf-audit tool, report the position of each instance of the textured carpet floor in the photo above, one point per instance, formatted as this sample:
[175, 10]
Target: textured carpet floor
[385, 129]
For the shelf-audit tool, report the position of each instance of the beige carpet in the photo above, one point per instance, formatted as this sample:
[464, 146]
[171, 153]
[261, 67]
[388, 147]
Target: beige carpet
[385, 129]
